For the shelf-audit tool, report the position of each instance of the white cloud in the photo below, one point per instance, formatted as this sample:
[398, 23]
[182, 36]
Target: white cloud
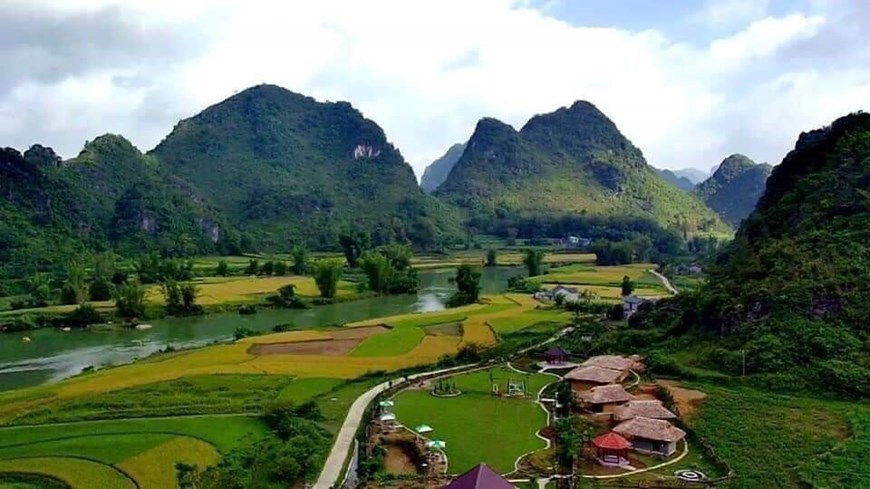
[428, 71]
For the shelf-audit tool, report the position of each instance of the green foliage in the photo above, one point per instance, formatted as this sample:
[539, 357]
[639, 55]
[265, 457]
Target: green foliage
[287, 299]
[268, 268]
[83, 316]
[223, 269]
[491, 258]
[300, 255]
[388, 270]
[130, 300]
[627, 286]
[280, 268]
[467, 282]
[100, 289]
[326, 275]
[242, 332]
[253, 267]
[534, 261]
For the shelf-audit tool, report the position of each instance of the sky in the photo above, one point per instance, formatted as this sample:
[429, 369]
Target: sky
[689, 82]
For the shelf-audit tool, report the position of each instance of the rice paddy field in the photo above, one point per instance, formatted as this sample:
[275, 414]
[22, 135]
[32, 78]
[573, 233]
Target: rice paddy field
[128, 426]
[606, 282]
[477, 425]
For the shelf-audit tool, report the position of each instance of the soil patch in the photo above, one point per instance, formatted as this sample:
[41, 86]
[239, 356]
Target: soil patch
[397, 462]
[687, 399]
[447, 329]
[343, 342]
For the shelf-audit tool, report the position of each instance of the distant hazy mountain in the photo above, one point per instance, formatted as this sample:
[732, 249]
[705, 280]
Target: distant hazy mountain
[735, 187]
[694, 175]
[574, 160]
[438, 170]
[682, 183]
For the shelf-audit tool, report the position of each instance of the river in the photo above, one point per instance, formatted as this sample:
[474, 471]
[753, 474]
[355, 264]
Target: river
[53, 355]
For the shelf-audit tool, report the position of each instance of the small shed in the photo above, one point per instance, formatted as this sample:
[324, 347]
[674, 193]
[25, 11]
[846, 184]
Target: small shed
[604, 398]
[655, 436]
[556, 356]
[586, 377]
[611, 449]
[646, 408]
[630, 303]
[480, 477]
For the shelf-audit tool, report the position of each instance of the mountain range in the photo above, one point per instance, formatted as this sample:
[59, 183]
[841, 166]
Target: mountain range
[574, 160]
[268, 168]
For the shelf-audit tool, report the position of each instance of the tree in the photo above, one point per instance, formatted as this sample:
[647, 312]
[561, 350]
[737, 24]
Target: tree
[299, 255]
[73, 290]
[188, 299]
[378, 270]
[353, 247]
[280, 268]
[533, 260]
[467, 284]
[491, 259]
[627, 286]
[616, 312]
[172, 296]
[223, 269]
[130, 300]
[253, 267]
[326, 275]
[100, 289]
[268, 268]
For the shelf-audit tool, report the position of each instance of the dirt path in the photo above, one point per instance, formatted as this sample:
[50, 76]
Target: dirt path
[666, 282]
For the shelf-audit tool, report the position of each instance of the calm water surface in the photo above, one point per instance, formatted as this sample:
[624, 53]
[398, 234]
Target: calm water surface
[55, 355]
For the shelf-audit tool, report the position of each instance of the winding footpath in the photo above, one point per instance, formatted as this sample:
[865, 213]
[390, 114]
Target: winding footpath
[666, 282]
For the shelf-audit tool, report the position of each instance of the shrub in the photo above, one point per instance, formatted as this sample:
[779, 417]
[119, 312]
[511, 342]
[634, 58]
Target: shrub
[247, 309]
[100, 290]
[244, 333]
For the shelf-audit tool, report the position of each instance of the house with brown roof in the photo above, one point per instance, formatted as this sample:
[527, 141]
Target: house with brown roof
[604, 398]
[654, 436]
[645, 408]
[614, 362]
[586, 377]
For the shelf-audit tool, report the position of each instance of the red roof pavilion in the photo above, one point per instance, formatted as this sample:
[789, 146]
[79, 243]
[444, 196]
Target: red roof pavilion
[612, 448]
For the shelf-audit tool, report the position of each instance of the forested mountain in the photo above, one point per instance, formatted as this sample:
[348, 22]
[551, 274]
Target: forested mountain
[671, 177]
[735, 187]
[791, 290]
[573, 160]
[437, 171]
[284, 167]
[109, 196]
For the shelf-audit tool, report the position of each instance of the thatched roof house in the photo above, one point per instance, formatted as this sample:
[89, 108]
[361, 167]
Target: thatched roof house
[651, 435]
[605, 394]
[647, 408]
[585, 377]
[613, 362]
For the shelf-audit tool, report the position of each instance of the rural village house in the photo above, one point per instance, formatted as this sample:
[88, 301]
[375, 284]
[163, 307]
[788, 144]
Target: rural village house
[646, 408]
[586, 377]
[655, 436]
[630, 303]
[604, 398]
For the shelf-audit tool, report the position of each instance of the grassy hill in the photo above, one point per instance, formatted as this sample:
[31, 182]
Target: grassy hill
[573, 160]
[735, 187]
[283, 166]
[791, 291]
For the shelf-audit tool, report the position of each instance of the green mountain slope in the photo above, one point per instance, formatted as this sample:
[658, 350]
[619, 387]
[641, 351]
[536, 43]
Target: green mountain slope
[791, 291]
[735, 187]
[573, 160]
[437, 171]
[694, 175]
[283, 166]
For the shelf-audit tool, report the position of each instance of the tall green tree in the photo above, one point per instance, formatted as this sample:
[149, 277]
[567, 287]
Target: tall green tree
[491, 258]
[223, 269]
[627, 286]
[467, 282]
[326, 275]
[300, 255]
[130, 300]
[353, 246]
[534, 262]
[74, 289]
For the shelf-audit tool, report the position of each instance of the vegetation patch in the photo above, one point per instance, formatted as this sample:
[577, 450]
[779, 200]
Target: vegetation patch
[156, 467]
[77, 473]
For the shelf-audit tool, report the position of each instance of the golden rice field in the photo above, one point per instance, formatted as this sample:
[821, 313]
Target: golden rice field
[512, 258]
[75, 472]
[228, 290]
[149, 468]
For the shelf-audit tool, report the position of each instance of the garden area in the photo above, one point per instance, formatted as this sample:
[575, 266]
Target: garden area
[478, 425]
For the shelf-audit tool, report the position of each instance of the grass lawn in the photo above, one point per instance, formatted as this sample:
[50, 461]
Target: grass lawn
[77, 473]
[477, 426]
[778, 441]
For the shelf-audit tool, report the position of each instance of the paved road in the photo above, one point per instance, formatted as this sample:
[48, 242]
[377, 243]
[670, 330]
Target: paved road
[332, 470]
[667, 283]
